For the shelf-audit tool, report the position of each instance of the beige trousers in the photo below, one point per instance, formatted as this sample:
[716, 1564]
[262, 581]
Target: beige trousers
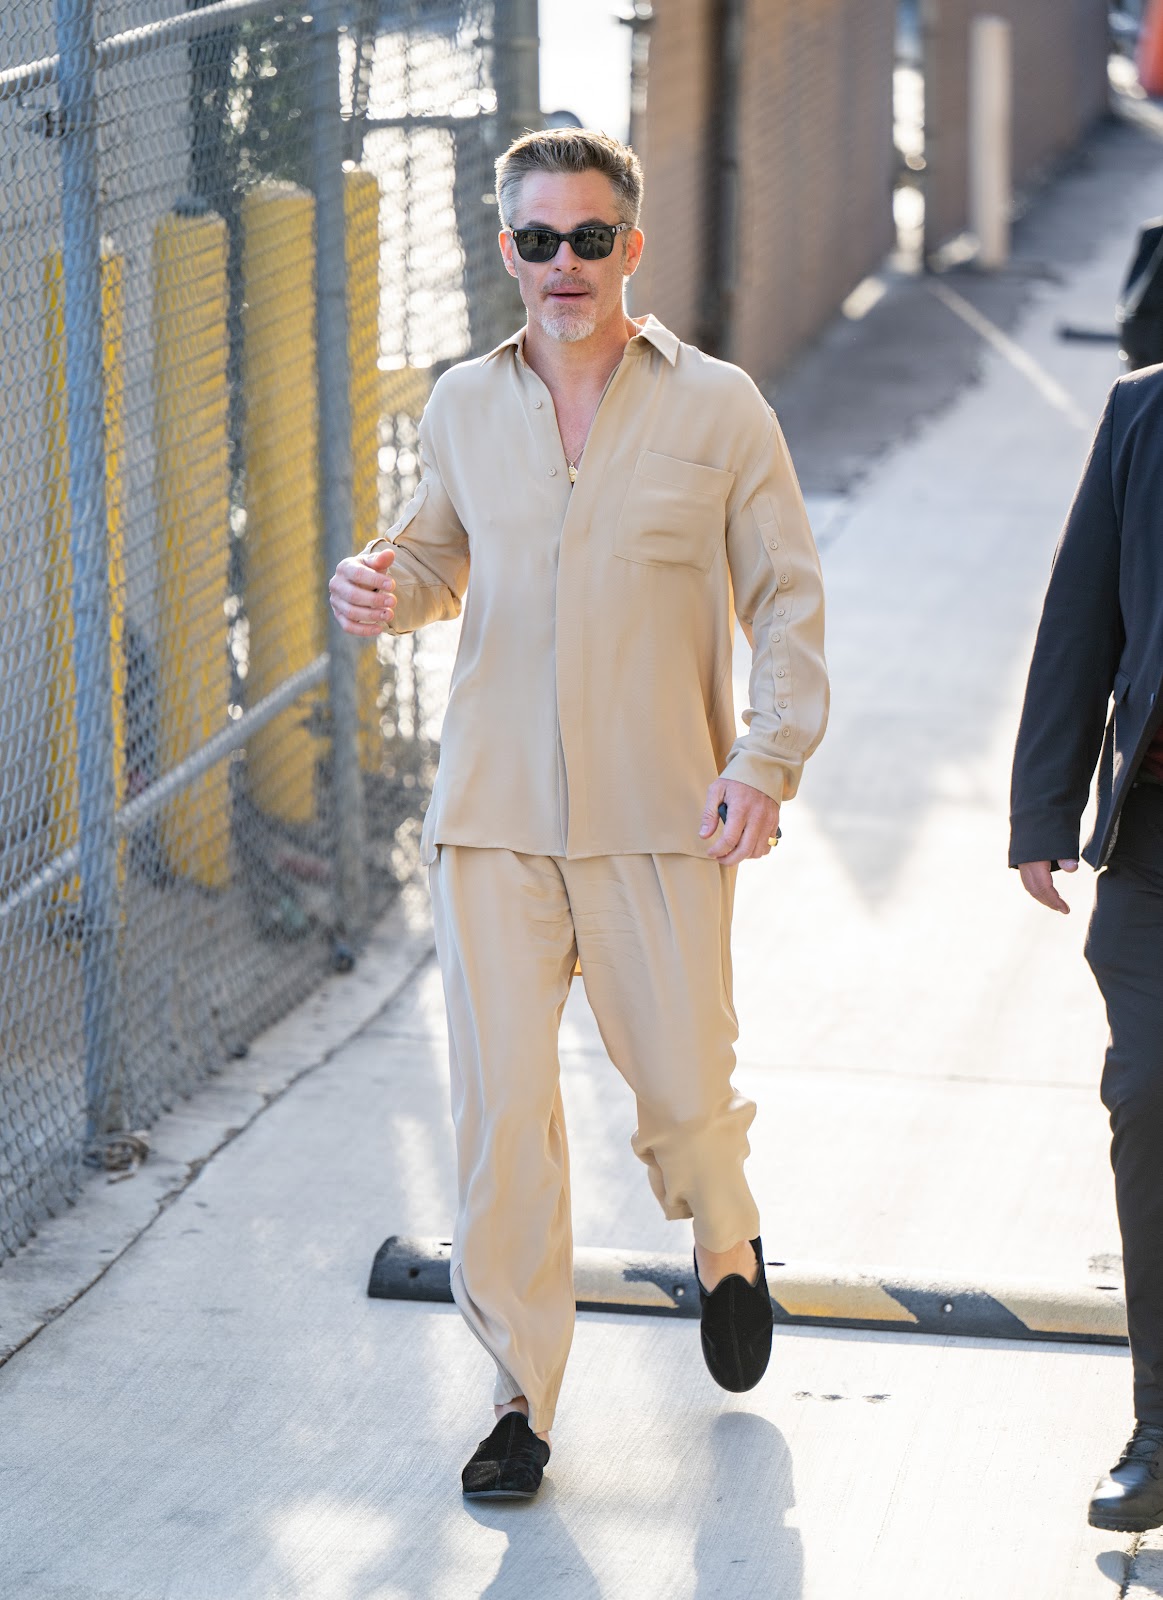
[653, 937]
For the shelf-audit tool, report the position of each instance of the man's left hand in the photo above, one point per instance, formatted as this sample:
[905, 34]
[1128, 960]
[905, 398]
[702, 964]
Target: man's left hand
[749, 831]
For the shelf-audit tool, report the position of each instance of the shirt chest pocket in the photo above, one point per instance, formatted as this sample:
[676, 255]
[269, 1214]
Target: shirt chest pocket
[674, 513]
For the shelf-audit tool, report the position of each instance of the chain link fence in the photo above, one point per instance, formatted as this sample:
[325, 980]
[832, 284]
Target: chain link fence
[236, 246]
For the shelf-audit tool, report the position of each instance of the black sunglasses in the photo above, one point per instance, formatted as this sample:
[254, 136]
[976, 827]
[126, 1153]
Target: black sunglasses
[594, 242]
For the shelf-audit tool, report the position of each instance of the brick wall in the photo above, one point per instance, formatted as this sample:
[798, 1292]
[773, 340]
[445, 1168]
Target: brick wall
[816, 168]
[1060, 89]
[671, 140]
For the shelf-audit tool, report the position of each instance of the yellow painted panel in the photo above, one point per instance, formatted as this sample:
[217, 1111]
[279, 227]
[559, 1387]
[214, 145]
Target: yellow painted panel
[63, 802]
[192, 481]
[404, 391]
[361, 197]
[284, 581]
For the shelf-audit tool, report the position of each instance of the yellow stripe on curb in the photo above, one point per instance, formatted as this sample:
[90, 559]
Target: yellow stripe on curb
[1078, 1313]
[610, 1278]
[824, 1297]
[638, 1282]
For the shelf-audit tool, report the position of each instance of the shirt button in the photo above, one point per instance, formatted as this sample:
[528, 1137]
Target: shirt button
[537, 405]
[553, 472]
[782, 612]
[783, 705]
[773, 544]
[776, 637]
[783, 578]
[785, 733]
[781, 673]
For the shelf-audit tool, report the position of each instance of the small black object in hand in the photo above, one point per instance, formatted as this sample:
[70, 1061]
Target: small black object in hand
[723, 819]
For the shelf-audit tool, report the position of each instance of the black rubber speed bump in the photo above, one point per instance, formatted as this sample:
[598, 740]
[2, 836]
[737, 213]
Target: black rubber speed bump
[661, 1285]
[411, 1269]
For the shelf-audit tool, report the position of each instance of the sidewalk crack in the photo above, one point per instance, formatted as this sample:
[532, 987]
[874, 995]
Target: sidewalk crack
[1132, 1557]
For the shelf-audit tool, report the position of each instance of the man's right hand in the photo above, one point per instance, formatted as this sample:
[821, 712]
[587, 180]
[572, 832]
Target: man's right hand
[363, 594]
[1038, 880]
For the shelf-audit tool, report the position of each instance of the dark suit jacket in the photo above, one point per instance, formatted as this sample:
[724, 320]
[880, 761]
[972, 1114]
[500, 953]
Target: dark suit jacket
[1101, 635]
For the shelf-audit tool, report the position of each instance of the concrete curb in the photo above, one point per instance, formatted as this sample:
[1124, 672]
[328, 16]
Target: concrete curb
[1145, 1567]
[663, 1285]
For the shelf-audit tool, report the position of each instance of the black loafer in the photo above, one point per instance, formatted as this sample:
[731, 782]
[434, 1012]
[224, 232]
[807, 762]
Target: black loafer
[1130, 1498]
[508, 1464]
[736, 1327]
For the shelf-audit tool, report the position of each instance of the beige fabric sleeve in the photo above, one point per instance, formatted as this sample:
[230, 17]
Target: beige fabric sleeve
[431, 565]
[779, 600]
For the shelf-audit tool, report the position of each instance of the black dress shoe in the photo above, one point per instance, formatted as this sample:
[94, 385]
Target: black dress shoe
[508, 1464]
[736, 1327]
[1130, 1498]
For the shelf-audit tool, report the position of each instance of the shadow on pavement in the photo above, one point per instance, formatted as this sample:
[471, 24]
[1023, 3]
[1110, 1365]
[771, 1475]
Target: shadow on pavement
[743, 1546]
[1115, 1566]
[541, 1556]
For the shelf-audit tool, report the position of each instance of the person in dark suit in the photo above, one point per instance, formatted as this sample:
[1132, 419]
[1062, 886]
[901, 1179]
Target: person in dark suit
[1101, 638]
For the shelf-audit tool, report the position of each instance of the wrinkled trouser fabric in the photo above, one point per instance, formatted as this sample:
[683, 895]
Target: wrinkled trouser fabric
[653, 937]
[1124, 947]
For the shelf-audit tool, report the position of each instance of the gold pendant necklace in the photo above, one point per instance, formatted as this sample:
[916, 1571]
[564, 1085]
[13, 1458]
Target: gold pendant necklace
[571, 468]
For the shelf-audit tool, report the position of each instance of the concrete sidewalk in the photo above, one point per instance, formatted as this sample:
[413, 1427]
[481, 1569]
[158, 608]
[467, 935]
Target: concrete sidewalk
[225, 1416]
[224, 1413]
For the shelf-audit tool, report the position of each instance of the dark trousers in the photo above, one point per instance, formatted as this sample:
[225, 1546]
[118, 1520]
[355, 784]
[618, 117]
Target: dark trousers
[1124, 947]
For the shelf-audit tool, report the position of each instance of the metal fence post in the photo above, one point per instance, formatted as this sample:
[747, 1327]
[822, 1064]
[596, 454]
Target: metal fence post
[89, 539]
[335, 465]
[516, 71]
[516, 67]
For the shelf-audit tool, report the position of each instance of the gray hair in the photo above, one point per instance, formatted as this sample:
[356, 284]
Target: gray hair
[571, 150]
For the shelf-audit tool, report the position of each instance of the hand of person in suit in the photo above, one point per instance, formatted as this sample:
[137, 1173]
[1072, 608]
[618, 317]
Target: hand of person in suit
[1038, 880]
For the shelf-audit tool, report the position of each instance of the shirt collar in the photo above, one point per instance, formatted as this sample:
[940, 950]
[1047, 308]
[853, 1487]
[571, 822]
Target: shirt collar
[515, 340]
[649, 328]
[653, 331]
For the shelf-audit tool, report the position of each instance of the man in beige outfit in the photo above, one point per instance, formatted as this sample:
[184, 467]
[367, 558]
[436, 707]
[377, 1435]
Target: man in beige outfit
[614, 493]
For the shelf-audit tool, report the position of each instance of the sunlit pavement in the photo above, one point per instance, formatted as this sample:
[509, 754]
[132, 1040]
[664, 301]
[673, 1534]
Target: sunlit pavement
[225, 1414]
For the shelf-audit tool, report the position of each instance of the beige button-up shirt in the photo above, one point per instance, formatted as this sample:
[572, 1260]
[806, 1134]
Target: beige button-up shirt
[591, 701]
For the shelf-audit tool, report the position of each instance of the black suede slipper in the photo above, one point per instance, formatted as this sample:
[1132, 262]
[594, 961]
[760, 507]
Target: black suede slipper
[508, 1464]
[736, 1327]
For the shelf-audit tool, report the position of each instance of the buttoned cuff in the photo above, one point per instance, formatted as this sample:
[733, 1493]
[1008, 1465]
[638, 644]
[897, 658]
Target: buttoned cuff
[770, 777]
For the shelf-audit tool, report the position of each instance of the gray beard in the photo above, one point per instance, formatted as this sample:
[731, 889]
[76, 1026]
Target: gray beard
[568, 327]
